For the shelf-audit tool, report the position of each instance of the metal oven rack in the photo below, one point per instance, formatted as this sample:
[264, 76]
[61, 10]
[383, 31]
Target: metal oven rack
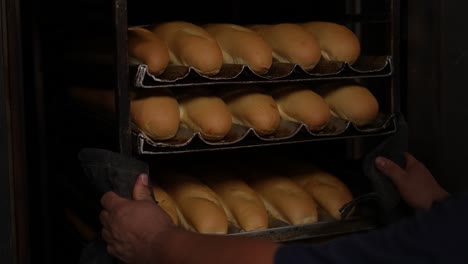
[130, 142]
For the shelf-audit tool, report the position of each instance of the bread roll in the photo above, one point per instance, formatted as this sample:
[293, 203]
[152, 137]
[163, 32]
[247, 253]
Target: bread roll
[190, 45]
[300, 104]
[199, 206]
[337, 42]
[155, 112]
[241, 45]
[354, 103]
[291, 43]
[166, 202]
[283, 198]
[241, 203]
[252, 107]
[206, 113]
[146, 47]
[328, 190]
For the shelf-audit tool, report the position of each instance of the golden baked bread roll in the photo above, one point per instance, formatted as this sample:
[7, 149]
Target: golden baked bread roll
[190, 45]
[291, 43]
[328, 190]
[241, 203]
[337, 42]
[155, 112]
[146, 47]
[241, 45]
[203, 112]
[300, 104]
[166, 202]
[354, 103]
[283, 198]
[199, 206]
[254, 108]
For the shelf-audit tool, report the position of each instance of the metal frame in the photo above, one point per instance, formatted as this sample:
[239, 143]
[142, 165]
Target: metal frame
[14, 233]
[396, 96]
[122, 85]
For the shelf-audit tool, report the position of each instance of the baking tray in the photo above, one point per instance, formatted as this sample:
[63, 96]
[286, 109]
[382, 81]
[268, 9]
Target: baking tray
[181, 76]
[326, 225]
[187, 140]
[315, 230]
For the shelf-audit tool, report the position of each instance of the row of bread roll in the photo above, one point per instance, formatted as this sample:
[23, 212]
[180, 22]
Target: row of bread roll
[207, 47]
[306, 43]
[293, 191]
[209, 200]
[160, 112]
[211, 203]
[264, 108]
[256, 108]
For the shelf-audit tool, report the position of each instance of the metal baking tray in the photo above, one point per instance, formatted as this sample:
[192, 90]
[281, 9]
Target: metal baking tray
[326, 226]
[187, 140]
[181, 76]
[315, 230]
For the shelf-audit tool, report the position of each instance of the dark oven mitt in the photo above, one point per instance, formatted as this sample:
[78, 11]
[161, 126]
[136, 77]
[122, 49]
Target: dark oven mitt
[108, 171]
[387, 196]
[111, 171]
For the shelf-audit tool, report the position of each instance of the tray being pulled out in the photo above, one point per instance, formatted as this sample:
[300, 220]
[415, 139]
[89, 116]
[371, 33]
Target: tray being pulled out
[360, 220]
[187, 140]
[324, 228]
[175, 76]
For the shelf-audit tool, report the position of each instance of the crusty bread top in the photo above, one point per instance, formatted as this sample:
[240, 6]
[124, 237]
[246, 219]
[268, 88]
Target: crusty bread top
[198, 204]
[351, 102]
[337, 42]
[190, 45]
[300, 104]
[242, 204]
[291, 43]
[241, 45]
[283, 198]
[150, 49]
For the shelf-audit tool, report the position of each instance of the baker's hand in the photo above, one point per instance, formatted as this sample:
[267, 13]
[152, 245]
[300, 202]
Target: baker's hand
[132, 228]
[415, 182]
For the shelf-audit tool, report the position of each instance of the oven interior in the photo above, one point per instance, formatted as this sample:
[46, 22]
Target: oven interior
[82, 46]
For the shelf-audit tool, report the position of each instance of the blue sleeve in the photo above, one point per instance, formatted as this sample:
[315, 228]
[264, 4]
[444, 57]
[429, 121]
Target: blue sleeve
[437, 236]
